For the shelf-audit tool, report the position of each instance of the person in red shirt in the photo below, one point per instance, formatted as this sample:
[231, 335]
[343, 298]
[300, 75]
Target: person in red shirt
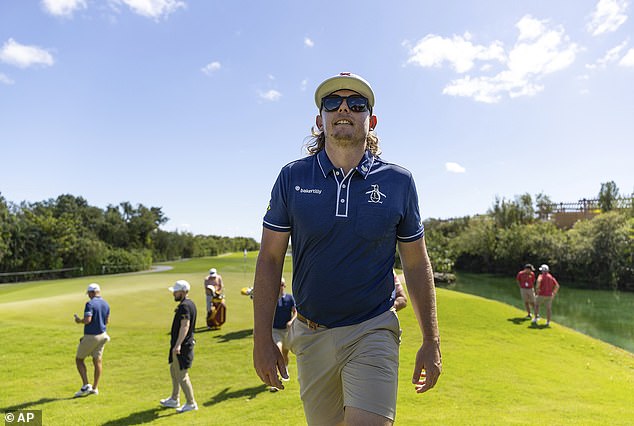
[547, 288]
[526, 280]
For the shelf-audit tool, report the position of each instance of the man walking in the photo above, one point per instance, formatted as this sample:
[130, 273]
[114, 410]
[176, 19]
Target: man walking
[547, 288]
[345, 209]
[181, 354]
[526, 280]
[96, 317]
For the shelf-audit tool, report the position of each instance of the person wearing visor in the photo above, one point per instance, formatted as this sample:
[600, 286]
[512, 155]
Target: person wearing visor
[345, 209]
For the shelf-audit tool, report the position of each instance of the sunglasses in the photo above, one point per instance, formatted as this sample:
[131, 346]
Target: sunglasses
[356, 103]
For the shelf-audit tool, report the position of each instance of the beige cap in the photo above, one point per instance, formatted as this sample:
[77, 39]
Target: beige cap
[344, 80]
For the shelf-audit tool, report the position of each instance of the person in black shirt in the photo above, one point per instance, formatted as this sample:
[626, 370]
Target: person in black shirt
[181, 355]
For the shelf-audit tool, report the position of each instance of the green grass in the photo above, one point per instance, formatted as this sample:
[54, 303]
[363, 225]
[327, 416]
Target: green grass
[497, 370]
[606, 315]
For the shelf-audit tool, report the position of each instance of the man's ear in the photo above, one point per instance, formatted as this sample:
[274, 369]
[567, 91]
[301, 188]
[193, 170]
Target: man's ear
[319, 123]
[373, 122]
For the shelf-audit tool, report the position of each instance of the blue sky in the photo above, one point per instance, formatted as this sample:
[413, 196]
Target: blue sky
[194, 106]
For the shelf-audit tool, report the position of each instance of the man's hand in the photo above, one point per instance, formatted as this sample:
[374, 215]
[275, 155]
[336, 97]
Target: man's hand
[428, 365]
[268, 360]
[176, 350]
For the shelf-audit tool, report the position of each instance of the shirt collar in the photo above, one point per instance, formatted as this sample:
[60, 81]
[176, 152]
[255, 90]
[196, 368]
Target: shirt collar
[363, 168]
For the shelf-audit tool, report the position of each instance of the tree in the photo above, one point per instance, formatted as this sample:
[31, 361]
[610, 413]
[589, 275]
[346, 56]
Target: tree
[507, 213]
[608, 196]
[601, 249]
[544, 206]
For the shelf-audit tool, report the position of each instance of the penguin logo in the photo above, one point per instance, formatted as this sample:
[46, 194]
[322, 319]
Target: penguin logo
[375, 194]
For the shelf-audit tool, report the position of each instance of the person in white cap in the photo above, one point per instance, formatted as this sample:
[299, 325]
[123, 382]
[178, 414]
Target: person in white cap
[181, 353]
[345, 210]
[96, 317]
[213, 287]
[547, 288]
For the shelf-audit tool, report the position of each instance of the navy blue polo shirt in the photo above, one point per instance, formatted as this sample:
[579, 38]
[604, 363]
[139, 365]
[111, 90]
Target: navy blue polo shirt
[344, 230]
[99, 310]
[283, 311]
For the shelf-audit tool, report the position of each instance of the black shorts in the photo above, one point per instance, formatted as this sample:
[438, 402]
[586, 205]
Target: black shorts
[185, 358]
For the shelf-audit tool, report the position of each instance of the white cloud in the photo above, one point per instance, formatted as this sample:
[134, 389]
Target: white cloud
[628, 59]
[308, 42]
[271, 95]
[454, 168]
[23, 56]
[608, 16]
[154, 9]
[540, 49]
[211, 67]
[459, 51]
[611, 55]
[63, 7]
[5, 79]
[303, 85]
[550, 50]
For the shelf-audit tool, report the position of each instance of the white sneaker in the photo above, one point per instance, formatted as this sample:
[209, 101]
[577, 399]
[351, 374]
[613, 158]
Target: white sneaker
[534, 321]
[273, 389]
[170, 403]
[94, 391]
[187, 407]
[85, 390]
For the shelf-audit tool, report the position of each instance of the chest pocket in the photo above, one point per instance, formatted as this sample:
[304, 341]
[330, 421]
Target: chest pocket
[374, 224]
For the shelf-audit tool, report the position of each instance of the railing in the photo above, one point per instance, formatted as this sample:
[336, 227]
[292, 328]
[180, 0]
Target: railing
[585, 205]
[41, 274]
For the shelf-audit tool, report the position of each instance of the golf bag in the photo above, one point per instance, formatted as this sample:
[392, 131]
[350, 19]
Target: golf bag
[218, 313]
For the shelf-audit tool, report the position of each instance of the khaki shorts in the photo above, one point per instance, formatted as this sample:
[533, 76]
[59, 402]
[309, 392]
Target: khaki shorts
[528, 295]
[280, 336]
[545, 300]
[92, 344]
[352, 366]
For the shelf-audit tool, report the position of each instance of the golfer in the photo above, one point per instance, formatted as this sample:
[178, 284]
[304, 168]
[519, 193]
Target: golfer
[181, 354]
[96, 317]
[345, 209]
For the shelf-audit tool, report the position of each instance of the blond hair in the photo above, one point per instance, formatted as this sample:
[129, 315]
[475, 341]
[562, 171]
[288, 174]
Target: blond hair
[317, 142]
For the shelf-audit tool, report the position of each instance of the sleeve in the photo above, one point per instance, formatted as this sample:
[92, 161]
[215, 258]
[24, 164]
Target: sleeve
[276, 217]
[88, 310]
[184, 312]
[411, 227]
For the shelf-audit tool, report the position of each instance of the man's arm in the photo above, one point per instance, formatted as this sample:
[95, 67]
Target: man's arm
[182, 333]
[267, 358]
[419, 279]
[87, 319]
